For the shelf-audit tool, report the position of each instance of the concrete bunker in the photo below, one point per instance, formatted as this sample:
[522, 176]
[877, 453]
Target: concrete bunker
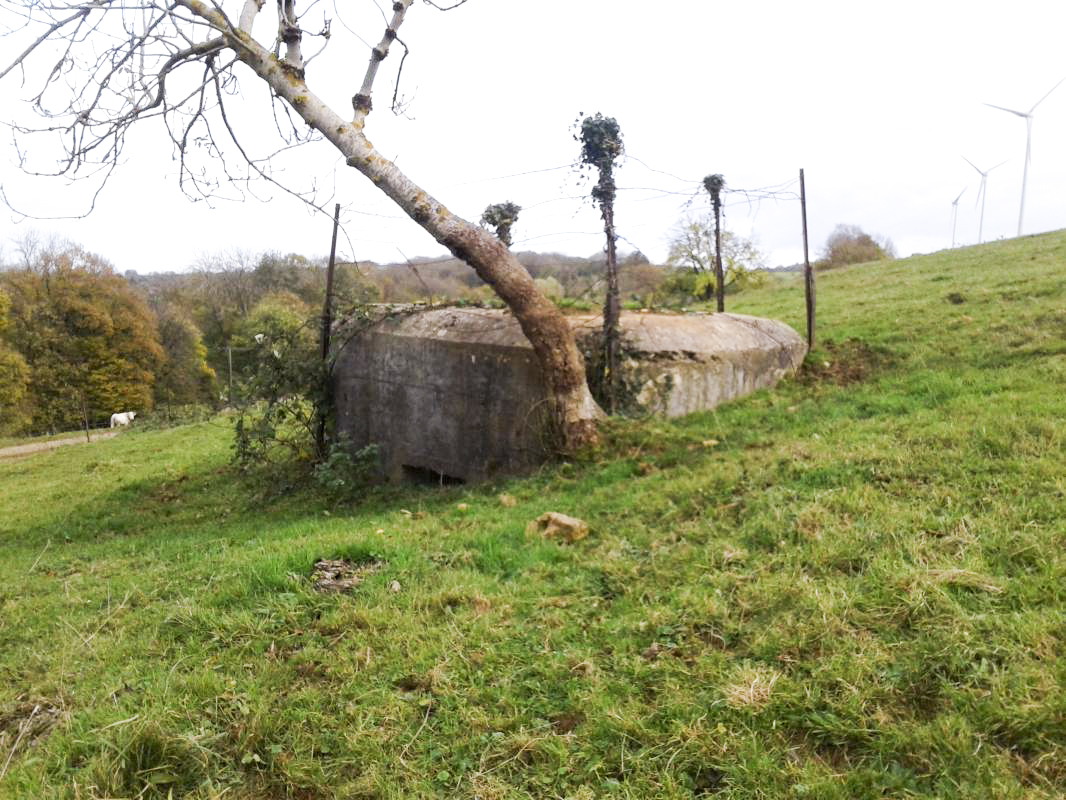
[455, 394]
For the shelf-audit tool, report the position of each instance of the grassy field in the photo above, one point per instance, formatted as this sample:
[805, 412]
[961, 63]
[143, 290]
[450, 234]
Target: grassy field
[853, 586]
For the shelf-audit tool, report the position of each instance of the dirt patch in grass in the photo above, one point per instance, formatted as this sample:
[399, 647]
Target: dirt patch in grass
[566, 722]
[341, 575]
[843, 363]
[21, 450]
[23, 725]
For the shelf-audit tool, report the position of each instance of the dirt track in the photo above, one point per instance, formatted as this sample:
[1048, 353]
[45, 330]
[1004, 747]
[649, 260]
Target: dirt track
[37, 447]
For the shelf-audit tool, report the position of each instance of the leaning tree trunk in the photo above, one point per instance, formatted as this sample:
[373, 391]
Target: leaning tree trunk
[541, 321]
[543, 324]
[574, 409]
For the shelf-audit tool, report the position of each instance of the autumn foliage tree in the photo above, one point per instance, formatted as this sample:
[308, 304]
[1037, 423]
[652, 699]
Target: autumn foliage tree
[89, 343]
[14, 377]
[184, 376]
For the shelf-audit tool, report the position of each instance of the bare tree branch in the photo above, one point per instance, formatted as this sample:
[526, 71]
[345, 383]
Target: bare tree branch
[361, 102]
[397, 104]
[82, 13]
[251, 8]
[290, 34]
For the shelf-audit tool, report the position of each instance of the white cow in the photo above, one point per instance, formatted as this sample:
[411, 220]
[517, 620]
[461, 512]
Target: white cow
[125, 418]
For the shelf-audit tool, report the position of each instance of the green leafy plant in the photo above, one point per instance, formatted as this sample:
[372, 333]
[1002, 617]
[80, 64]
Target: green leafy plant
[345, 470]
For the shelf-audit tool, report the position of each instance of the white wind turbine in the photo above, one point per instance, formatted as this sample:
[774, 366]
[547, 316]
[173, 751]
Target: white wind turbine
[1028, 117]
[955, 215]
[982, 194]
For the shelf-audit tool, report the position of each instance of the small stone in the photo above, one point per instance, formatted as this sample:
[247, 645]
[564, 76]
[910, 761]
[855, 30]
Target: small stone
[463, 507]
[394, 586]
[710, 442]
[553, 525]
[508, 501]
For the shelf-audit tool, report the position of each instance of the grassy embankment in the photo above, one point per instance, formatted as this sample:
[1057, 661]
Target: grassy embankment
[853, 586]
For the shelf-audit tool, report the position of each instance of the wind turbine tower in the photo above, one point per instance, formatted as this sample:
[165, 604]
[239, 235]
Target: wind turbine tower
[955, 215]
[1028, 117]
[982, 194]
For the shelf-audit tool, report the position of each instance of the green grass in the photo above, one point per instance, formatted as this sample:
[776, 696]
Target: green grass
[853, 586]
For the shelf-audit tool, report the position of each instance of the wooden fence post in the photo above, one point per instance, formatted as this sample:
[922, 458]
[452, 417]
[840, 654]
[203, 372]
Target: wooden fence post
[327, 324]
[808, 273]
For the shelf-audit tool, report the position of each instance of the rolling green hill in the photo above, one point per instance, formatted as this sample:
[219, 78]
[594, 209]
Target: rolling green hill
[853, 586]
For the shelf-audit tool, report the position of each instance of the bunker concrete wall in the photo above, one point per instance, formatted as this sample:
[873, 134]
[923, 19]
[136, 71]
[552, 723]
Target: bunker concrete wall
[458, 392]
[677, 364]
[446, 391]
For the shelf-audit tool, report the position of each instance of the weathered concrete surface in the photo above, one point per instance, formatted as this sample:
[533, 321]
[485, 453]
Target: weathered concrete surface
[449, 391]
[676, 364]
[458, 392]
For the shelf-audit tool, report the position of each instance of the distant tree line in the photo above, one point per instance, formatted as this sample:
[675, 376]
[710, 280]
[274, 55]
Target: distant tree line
[79, 341]
[75, 343]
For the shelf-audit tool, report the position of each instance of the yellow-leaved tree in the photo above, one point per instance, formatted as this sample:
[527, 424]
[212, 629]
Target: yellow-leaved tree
[89, 342]
[14, 377]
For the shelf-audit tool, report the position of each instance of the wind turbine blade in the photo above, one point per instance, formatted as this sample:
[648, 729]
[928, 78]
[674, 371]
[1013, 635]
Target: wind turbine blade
[1045, 97]
[1000, 164]
[1010, 110]
[956, 200]
[964, 158]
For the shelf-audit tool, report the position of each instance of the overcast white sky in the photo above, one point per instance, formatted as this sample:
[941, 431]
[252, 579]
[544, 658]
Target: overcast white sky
[878, 102]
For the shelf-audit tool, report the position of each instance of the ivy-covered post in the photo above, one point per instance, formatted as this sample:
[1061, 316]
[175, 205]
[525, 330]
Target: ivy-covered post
[501, 217]
[601, 146]
[714, 185]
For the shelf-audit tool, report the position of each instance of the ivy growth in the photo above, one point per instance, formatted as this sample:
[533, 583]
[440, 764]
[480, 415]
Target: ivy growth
[501, 217]
[714, 184]
[601, 147]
